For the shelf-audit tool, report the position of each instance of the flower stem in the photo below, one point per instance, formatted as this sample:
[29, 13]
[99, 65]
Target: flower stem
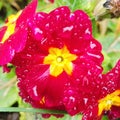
[32, 110]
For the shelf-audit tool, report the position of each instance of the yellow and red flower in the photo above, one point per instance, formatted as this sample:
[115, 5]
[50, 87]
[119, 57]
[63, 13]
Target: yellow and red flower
[13, 34]
[60, 49]
[105, 98]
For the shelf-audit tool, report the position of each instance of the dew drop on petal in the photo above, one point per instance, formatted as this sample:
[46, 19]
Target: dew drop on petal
[57, 17]
[92, 45]
[47, 26]
[65, 99]
[72, 17]
[85, 100]
[70, 92]
[40, 16]
[87, 31]
[56, 11]
[72, 99]
[89, 73]
[116, 71]
[104, 88]
[93, 55]
[28, 55]
[98, 67]
[23, 76]
[85, 81]
[78, 80]
[68, 28]
[19, 79]
[74, 108]
[76, 51]
[35, 90]
[111, 74]
[80, 25]
[25, 71]
[37, 30]
[9, 40]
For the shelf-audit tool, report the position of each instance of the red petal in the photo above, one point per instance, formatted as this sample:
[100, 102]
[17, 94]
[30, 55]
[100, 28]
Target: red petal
[2, 32]
[27, 13]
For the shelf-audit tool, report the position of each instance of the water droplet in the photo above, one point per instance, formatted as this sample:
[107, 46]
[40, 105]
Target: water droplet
[87, 31]
[74, 108]
[37, 30]
[76, 51]
[92, 45]
[57, 17]
[116, 71]
[72, 99]
[72, 17]
[35, 90]
[25, 71]
[68, 28]
[65, 99]
[85, 100]
[89, 73]
[70, 92]
[93, 55]
[28, 55]
[39, 15]
[78, 80]
[47, 26]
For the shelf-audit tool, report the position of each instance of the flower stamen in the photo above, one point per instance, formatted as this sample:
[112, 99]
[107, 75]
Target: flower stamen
[60, 60]
[107, 102]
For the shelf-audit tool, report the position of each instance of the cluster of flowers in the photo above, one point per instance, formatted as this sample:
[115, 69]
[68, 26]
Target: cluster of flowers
[58, 63]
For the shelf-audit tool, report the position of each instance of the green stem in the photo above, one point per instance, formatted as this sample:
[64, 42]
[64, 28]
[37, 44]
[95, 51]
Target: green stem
[32, 110]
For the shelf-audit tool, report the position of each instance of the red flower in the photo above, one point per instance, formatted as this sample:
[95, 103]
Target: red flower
[52, 1]
[13, 34]
[59, 49]
[106, 98]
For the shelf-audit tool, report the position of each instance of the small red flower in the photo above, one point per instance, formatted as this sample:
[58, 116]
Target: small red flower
[60, 50]
[52, 1]
[13, 34]
[106, 98]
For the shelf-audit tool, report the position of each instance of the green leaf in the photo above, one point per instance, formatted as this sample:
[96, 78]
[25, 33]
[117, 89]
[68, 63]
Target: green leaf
[112, 25]
[114, 57]
[1, 4]
[104, 118]
[8, 89]
[94, 27]
[8, 96]
[107, 41]
[6, 76]
[106, 63]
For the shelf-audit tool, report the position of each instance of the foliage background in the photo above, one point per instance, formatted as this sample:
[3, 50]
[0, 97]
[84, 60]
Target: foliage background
[107, 31]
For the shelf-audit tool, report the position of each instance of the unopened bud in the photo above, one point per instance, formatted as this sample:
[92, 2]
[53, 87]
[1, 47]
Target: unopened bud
[113, 6]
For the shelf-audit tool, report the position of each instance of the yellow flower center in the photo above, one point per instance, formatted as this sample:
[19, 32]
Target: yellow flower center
[60, 60]
[107, 102]
[10, 26]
